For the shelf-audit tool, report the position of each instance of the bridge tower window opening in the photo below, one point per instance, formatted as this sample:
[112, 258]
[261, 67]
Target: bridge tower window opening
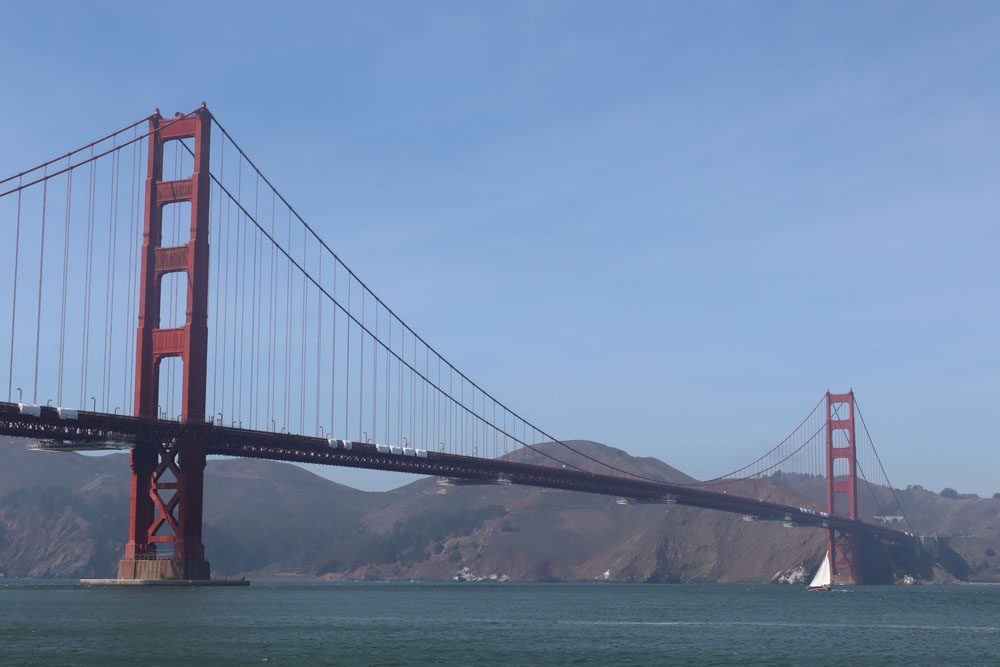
[173, 300]
[175, 229]
[170, 375]
[178, 163]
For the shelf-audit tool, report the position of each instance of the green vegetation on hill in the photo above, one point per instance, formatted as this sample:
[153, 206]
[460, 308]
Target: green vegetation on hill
[414, 539]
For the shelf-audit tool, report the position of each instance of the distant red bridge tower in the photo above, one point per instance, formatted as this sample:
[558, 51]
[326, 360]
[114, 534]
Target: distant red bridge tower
[841, 446]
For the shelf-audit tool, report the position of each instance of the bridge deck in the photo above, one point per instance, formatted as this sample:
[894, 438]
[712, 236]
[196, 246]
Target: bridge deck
[89, 430]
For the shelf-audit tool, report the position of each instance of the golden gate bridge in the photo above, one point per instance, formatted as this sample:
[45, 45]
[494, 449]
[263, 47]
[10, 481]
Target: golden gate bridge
[128, 329]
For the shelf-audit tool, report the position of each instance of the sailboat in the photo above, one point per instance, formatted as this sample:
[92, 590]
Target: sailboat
[822, 580]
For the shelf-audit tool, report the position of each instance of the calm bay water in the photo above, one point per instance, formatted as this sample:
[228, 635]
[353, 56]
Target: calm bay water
[394, 624]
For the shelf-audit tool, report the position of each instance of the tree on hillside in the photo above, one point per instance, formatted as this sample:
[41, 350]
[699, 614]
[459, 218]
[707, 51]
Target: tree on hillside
[996, 496]
[951, 493]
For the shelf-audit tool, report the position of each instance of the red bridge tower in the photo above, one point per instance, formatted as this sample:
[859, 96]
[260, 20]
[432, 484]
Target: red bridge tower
[167, 477]
[840, 481]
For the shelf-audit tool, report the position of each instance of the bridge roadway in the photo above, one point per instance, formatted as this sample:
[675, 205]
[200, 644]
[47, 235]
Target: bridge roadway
[98, 430]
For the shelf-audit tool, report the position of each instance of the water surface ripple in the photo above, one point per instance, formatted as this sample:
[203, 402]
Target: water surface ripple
[282, 623]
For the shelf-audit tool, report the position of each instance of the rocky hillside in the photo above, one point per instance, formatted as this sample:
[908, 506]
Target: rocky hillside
[970, 526]
[64, 515]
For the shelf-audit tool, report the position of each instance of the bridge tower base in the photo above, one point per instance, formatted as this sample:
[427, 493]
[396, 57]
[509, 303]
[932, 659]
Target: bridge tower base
[167, 492]
[151, 570]
[167, 486]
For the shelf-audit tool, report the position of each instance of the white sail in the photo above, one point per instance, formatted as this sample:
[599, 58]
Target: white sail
[822, 580]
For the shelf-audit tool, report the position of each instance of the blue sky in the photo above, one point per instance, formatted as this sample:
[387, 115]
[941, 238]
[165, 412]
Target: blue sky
[667, 227]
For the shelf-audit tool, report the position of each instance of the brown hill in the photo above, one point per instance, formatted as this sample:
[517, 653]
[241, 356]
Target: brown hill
[64, 515]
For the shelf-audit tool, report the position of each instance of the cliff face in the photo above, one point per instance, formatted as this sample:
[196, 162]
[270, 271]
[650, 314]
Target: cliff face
[64, 515]
[60, 515]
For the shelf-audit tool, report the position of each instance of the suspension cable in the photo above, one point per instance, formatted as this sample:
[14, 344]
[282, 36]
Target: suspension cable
[70, 154]
[759, 473]
[365, 331]
[766, 454]
[414, 372]
[879, 459]
[868, 485]
[92, 158]
[293, 211]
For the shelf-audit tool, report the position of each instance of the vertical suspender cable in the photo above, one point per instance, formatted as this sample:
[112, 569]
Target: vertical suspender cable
[238, 300]
[235, 235]
[134, 282]
[109, 308]
[302, 351]
[85, 351]
[439, 434]
[388, 386]
[451, 411]
[271, 361]
[347, 375]
[41, 270]
[333, 361]
[126, 408]
[241, 327]
[413, 394]
[259, 281]
[225, 308]
[426, 397]
[62, 314]
[286, 418]
[399, 404]
[252, 388]
[212, 305]
[218, 290]
[41, 267]
[13, 305]
[504, 413]
[319, 340]
[361, 369]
